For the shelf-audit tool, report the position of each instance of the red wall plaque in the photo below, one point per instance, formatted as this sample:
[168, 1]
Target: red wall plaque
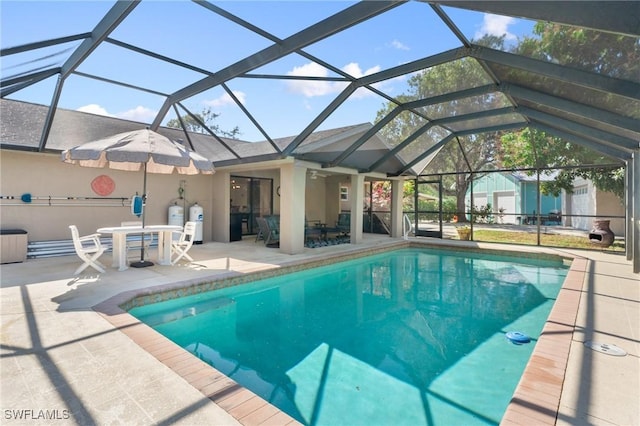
[103, 185]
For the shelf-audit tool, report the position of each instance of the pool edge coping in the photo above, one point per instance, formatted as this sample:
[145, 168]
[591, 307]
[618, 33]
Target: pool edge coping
[536, 398]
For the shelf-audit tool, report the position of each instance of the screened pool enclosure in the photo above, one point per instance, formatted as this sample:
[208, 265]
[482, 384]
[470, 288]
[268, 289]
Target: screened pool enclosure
[441, 92]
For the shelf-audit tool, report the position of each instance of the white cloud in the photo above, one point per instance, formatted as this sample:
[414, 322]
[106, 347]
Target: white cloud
[225, 99]
[94, 109]
[138, 113]
[311, 88]
[496, 25]
[399, 45]
[354, 69]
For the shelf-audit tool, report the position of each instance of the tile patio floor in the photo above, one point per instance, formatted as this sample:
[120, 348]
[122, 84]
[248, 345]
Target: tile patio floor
[61, 358]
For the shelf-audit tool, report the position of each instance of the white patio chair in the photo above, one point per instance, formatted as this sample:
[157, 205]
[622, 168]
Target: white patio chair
[89, 249]
[184, 243]
[135, 243]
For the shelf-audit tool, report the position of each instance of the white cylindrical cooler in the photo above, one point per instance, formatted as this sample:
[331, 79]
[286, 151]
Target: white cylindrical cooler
[196, 214]
[176, 215]
[176, 218]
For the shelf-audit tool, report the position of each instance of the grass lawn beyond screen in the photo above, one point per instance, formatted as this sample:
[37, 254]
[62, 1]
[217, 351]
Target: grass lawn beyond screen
[547, 240]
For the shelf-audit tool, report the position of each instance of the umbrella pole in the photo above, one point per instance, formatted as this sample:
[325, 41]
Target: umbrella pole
[143, 263]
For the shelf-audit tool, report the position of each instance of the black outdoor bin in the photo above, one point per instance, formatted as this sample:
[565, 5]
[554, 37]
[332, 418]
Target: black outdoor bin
[235, 227]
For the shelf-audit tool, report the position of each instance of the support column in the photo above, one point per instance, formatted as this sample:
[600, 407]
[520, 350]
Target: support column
[357, 208]
[628, 211]
[636, 211]
[397, 187]
[292, 208]
[221, 211]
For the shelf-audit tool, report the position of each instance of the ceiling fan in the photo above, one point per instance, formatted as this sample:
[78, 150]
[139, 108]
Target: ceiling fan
[314, 174]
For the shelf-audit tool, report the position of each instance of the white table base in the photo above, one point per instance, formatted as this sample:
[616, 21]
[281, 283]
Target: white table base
[120, 242]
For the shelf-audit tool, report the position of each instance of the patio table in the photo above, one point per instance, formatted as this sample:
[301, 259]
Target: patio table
[120, 242]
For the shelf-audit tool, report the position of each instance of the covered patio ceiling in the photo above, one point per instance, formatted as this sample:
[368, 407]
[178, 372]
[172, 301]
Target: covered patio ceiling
[594, 109]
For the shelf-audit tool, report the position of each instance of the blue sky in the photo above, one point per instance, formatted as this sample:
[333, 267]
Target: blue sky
[189, 33]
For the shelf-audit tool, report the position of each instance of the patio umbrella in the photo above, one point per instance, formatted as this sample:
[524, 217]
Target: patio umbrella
[140, 149]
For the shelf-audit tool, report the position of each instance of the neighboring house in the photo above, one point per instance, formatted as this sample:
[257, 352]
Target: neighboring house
[513, 197]
[516, 193]
[590, 203]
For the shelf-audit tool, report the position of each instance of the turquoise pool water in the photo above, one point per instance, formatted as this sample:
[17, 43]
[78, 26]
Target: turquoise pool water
[409, 337]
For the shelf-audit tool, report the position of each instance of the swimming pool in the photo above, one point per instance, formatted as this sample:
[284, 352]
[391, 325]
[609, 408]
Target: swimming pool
[406, 337]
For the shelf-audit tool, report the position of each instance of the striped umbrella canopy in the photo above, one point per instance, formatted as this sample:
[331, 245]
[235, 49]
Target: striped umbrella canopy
[139, 149]
[132, 151]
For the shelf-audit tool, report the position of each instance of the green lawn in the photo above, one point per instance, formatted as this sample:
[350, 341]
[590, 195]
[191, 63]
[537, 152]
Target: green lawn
[547, 240]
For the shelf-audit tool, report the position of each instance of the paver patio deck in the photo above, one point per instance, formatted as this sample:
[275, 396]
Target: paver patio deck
[60, 357]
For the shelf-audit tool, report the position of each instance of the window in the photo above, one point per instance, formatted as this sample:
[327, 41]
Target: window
[344, 193]
[581, 190]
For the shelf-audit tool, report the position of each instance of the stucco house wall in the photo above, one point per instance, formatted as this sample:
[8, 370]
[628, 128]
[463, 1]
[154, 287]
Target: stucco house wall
[595, 204]
[608, 204]
[316, 200]
[44, 175]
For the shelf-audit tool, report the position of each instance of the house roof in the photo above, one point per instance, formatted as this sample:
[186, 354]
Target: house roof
[22, 123]
[596, 108]
[544, 177]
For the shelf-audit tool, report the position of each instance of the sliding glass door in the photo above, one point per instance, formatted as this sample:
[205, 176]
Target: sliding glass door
[250, 198]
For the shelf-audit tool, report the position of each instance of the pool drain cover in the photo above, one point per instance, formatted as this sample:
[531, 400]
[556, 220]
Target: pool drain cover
[606, 348]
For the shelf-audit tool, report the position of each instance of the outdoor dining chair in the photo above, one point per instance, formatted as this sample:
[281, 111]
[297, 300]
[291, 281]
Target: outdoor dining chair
[344, 223]
[182, 245]
[89, 249]
[269, 229]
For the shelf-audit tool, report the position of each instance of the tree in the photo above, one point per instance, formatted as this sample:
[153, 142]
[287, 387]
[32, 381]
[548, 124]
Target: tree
[207, 116]
[531, 148]
[470, 153]
[603, 53]
[381, 194]
[609, 54]
[613, 55]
